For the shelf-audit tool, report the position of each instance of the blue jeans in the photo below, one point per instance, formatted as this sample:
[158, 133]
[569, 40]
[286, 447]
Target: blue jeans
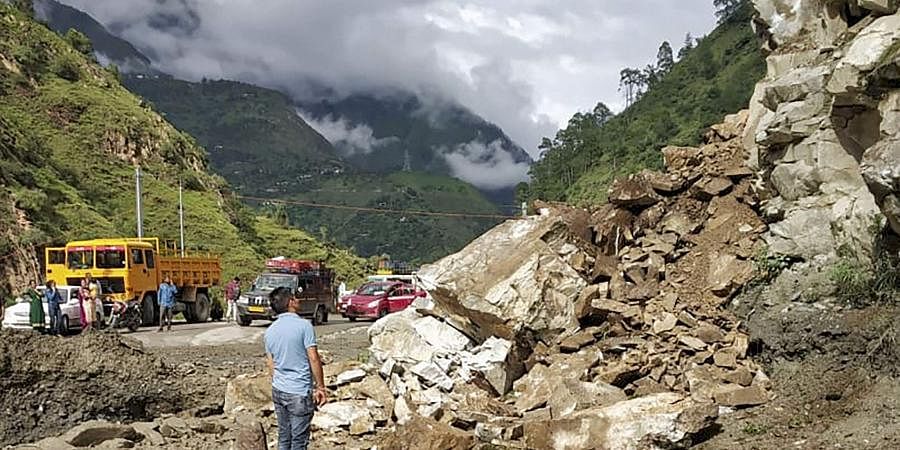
[55, 317]
[294, 413]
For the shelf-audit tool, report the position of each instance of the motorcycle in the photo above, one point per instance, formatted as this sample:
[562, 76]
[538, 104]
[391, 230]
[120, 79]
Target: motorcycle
[126, 315]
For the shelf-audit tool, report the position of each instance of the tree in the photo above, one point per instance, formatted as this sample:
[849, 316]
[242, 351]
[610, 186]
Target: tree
[664, 58]
[688, 46]
[631, 82]
[725, 9]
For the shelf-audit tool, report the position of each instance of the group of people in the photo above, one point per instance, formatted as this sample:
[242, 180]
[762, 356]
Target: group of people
[89, 292]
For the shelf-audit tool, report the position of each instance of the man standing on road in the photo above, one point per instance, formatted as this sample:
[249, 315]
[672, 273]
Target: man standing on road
[293, 360]
[53, 302]
[232, 293]
[166, 301]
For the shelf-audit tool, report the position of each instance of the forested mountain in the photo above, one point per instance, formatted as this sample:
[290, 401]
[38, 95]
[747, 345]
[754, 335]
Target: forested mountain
[257, 139]
[70, 136]
[671, 103]
[254, 137]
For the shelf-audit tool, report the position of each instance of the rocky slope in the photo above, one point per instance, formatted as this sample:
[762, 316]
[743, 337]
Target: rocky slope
[824, 126]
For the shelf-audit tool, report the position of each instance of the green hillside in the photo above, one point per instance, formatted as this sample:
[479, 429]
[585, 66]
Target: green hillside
[409, 237]
[713, 79]
[254, 137]
[62, 17]
[69, 134]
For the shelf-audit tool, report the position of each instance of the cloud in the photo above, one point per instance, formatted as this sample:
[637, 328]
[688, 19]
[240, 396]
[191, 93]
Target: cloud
[486, 166]
[351, 138]
[526, 65]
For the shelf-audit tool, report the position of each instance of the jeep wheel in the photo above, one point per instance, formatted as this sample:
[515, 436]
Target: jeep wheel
[351, 318]
[320, 316]
[244, 321]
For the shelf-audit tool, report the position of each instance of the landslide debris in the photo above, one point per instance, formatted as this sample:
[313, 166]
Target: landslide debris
[573, 327]
[49, 384]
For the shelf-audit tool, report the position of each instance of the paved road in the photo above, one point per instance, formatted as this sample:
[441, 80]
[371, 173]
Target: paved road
[219, 333]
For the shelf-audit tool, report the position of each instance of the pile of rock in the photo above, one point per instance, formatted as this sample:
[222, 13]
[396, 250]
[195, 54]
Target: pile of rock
[578, 326]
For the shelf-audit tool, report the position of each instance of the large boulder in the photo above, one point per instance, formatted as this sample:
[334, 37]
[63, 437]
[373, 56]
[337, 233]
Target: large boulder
[665, 420]
[511, 282]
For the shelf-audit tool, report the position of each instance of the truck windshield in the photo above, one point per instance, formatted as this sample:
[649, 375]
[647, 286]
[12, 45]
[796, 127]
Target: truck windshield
[81, 259]
[269, 282]
[111, 258]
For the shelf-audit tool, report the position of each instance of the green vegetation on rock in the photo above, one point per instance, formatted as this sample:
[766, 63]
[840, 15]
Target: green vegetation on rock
[713, 79]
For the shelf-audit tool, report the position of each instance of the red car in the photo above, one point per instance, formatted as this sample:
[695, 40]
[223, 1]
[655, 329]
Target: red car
[378, 299]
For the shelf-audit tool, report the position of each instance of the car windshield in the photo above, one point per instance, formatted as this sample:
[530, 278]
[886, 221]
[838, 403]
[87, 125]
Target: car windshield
[373, 289]
[270, 282]
[81, 259]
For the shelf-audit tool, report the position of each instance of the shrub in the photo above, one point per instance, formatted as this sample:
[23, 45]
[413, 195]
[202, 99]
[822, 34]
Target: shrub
[66, 66]
[79, 42]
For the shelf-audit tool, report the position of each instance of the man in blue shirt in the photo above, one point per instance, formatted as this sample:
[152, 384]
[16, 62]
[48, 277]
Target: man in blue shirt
[294, 363]
[166, 301]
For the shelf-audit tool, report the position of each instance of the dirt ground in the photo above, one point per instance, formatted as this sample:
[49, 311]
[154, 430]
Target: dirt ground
[834, 372]
[49, 384]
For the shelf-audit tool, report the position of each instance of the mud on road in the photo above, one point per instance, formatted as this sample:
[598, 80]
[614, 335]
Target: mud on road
[50, 384]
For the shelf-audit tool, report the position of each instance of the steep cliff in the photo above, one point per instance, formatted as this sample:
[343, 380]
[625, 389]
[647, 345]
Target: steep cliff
[824, 128]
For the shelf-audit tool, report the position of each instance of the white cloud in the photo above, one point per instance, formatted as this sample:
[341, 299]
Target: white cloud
[352, 138]
[485, 166]
[526, 65]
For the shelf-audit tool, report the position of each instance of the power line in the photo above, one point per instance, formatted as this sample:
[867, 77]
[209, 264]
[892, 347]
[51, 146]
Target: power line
[378, 210]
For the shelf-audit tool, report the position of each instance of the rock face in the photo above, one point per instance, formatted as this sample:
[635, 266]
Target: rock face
[824, 124]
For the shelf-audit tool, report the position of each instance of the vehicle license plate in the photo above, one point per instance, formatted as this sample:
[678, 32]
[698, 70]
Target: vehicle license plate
[256, 309]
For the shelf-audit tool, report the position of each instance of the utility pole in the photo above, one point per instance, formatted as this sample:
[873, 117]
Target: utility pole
[407, 161]
[139, 207]
[181, 215]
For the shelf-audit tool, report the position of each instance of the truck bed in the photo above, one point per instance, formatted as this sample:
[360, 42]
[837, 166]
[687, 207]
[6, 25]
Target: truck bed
[197, 271]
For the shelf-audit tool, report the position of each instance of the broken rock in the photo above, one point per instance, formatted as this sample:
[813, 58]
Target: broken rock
[249, 392]
[668, 418]
[432, 375]
[509, 280]
[573, 395]
[747, 396]
[96, 432]
[427, 434]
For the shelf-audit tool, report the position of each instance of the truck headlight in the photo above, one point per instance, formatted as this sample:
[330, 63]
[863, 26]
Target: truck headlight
[243, 300]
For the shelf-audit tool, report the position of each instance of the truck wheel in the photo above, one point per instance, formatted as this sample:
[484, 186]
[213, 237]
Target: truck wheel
[216, 312]
[148, 310]
[321, 316]
[244, 321]
[200, 308]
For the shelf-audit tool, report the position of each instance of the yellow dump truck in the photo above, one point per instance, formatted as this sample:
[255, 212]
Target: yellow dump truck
[132, 269]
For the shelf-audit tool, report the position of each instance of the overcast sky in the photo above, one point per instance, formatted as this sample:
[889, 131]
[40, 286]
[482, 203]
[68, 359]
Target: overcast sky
[526, 65]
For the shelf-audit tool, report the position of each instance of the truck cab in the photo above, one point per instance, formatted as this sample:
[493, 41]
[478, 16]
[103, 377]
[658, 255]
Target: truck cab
[310, 281]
